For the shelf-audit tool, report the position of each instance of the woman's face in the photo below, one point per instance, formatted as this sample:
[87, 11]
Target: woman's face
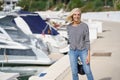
[76, 16]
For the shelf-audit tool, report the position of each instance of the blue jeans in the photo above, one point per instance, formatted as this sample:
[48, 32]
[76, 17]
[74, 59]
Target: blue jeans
[73, 55]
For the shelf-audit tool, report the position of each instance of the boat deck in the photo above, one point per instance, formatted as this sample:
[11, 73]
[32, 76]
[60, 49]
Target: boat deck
[8, 76]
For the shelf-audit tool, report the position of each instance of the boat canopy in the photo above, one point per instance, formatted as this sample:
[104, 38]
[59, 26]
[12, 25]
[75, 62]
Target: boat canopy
[36, 24]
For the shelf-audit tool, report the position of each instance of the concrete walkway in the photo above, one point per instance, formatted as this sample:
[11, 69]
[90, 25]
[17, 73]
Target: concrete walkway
[105, 67]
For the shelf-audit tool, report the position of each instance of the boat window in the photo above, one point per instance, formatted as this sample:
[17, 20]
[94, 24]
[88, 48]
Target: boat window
[1, 32]
[17, 35]
[11, 28]
[17, 52]
[1, 52]
[1, 43]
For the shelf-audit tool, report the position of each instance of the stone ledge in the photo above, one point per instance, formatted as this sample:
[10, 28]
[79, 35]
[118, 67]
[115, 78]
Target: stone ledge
[57, 71]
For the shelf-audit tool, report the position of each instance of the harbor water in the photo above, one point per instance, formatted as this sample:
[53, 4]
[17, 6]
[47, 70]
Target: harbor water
[24, 71]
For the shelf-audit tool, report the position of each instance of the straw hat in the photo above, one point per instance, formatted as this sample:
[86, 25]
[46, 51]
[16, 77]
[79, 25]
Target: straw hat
[69, 17]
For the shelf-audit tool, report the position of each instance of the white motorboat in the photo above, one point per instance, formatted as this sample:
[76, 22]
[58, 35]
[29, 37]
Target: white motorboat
[35, 25]
[19, 48]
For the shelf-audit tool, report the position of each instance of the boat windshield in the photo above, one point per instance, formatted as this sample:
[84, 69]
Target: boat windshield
[14, 32]
[17, 52]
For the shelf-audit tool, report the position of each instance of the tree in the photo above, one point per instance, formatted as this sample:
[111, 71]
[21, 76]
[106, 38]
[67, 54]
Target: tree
[116, 4]
[75, 3]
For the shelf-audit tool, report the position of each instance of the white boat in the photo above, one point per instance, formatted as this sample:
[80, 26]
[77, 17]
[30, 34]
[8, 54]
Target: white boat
[56, 18]
[19, 48]
[35, 25]
[9, 8]
[8, 76]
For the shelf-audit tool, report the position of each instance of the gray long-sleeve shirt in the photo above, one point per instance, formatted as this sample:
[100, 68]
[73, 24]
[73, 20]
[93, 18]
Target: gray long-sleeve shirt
[78, 36]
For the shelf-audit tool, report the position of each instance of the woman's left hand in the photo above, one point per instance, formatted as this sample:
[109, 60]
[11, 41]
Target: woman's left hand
[88, 58]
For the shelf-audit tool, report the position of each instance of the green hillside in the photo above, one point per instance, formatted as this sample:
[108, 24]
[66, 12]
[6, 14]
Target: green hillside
[85, 5]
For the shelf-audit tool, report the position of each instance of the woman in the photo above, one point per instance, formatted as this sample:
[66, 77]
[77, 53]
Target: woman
[78, 33]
